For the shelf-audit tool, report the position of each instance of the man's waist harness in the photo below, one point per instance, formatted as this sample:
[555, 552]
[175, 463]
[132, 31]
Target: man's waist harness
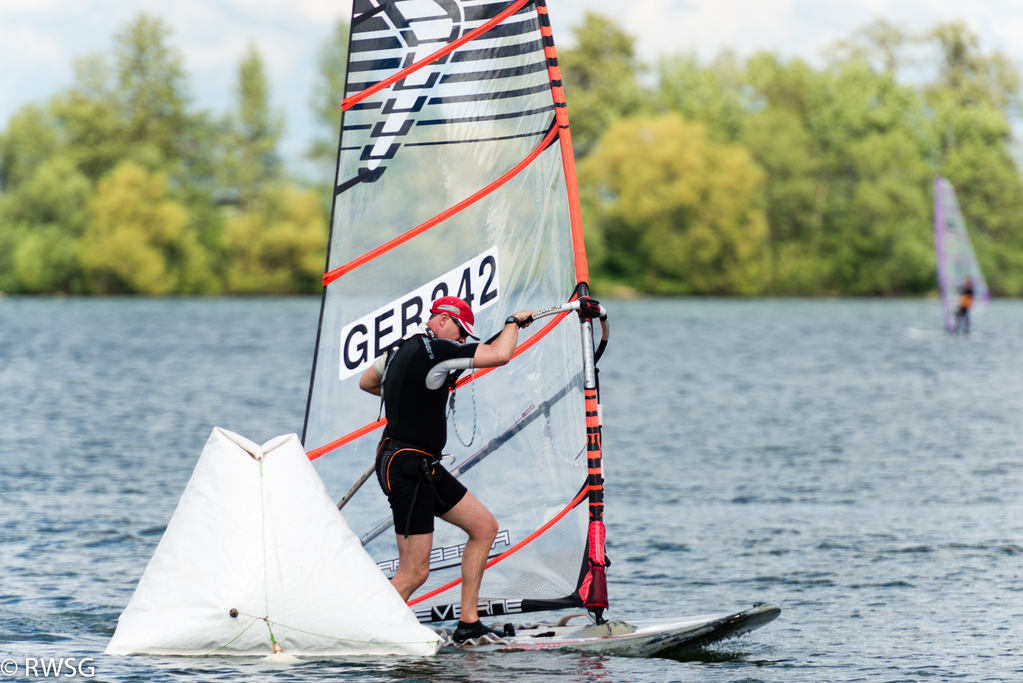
[390, 450]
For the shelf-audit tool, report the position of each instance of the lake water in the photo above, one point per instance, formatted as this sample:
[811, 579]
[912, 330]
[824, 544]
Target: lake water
[844, 459]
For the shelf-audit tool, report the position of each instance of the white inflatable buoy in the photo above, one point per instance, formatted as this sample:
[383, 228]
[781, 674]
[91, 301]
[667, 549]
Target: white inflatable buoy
[281, 658]
[256, 561]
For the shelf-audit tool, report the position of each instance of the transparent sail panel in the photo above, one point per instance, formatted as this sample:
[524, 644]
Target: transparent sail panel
[479, 121]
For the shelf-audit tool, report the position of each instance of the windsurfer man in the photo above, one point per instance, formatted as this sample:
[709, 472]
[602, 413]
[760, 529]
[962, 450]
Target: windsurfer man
[965, 301]
[408, 457]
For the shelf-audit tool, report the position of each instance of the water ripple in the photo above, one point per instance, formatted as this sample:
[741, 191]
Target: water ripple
[805, 452]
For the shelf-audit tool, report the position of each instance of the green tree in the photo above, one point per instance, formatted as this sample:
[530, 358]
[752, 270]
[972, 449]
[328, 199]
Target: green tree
[680, 213]
[138, 240]
[795, 197]
[252, 163]
[151, 89]
[714, 95]
[600, 74]
[973, 100]
[31, 138]
[278, 249]
[89, 115]
[880, 44]
[885, 241]
[275, 235]
[42, 206]
[44, 218]
[846, 150]
[135, 106]
[328, 96]
[767, 175]
[967, 74]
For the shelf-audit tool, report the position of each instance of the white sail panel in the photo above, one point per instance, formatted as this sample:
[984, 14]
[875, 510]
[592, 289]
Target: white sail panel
[257, 554]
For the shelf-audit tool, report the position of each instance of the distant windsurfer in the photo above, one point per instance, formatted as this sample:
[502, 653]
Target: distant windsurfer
[408, 456]
[965, 301]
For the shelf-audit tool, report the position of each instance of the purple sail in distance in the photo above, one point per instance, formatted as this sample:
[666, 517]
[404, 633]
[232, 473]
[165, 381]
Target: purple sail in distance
[956, 260]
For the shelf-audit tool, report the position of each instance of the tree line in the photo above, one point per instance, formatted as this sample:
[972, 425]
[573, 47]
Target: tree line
[769, 176]
[734, 177]
[118, 185]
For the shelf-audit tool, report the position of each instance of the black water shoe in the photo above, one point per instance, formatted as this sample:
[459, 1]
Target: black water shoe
[472, 631]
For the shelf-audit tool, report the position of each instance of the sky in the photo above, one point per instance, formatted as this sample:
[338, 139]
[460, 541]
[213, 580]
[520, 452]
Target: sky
[40, 39]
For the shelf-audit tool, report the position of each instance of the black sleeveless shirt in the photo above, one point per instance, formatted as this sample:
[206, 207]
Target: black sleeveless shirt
[415, 414]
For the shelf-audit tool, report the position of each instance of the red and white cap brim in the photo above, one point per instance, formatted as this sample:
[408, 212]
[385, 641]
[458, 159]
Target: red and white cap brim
[456, 315]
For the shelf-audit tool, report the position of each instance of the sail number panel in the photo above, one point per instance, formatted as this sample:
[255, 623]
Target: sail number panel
[475, 282]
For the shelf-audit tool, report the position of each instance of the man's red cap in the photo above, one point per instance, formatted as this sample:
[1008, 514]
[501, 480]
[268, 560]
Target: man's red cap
[459, 311]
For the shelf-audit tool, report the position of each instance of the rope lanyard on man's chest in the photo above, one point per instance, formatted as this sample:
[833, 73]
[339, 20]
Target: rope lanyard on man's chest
[451, 410]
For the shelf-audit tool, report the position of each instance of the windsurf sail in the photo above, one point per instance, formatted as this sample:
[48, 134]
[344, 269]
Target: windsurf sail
[957, 262]
[455, 176]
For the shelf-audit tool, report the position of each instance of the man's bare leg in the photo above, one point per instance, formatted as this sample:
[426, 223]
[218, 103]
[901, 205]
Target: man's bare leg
[470, 516]
[413, 563]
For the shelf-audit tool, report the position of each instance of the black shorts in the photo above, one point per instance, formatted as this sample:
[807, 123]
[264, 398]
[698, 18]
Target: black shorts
[417, 487]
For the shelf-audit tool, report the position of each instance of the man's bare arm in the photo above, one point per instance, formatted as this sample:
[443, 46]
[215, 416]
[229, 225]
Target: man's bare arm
[374, 375]
[501, 350]
[370, 381]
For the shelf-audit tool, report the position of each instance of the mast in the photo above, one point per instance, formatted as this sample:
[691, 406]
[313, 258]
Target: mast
[939, 243]
[593, 590]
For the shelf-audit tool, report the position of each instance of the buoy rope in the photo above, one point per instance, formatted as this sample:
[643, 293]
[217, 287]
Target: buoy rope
[266, 580]
[328, 637]
[209, 654]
